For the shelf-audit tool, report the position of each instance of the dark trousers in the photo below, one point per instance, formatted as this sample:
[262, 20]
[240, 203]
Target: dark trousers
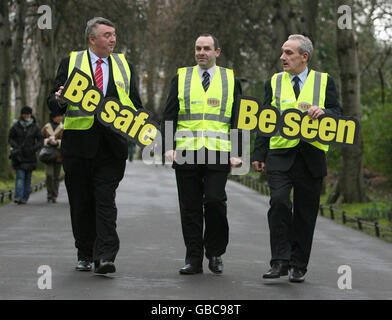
[291, 229]
[52, 171]
[201, 193]
[91, 186]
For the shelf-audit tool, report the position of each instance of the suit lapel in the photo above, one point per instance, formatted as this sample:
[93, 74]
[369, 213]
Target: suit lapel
[111, 86]
[91, 67]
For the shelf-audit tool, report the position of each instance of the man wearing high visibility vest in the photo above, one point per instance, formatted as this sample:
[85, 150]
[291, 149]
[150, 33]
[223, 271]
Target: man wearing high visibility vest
[201, 108]
[94, 156]
[294, 163]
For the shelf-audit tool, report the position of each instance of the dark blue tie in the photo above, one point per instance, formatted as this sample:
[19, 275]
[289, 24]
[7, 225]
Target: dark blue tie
[296, 86]
[206, 80]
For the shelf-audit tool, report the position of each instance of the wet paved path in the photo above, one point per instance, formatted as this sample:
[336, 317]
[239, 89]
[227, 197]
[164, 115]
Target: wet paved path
[152, 250]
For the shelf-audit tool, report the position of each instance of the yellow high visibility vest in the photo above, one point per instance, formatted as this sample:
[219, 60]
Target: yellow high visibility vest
[283, 97]
[76, 119]
[204, 118]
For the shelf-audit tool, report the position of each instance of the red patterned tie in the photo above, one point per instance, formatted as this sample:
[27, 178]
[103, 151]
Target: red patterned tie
[99, 75]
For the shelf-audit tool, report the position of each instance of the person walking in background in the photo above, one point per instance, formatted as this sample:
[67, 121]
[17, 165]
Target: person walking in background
[26, 139]
[294, 164]
[53, 132]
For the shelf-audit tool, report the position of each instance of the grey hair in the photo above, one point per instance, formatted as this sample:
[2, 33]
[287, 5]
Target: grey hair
[305, 44]
[92, 26]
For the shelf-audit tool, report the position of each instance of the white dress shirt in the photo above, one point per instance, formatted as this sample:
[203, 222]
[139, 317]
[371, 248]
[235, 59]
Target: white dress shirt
[211, 72]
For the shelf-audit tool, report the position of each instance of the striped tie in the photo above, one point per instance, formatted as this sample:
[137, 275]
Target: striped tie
[98, 75]
[206, 81]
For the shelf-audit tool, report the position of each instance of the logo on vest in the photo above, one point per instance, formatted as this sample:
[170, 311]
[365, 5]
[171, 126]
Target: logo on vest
[213, 102]
[120, 84]
[304, 106]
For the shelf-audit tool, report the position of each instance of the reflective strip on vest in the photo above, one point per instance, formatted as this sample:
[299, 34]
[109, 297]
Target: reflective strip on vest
[278, 90]
[204, 118]
[286, 100]
[200, 116]
[76, 119]
[121, 66]
[206, 134]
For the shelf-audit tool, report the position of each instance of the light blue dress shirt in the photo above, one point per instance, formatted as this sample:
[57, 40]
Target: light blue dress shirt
[302, 78]
[104, 66]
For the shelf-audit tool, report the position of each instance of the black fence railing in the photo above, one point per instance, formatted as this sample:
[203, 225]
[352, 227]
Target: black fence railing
[253, 183]
[360, 223]
[9, 195]
[331, 212]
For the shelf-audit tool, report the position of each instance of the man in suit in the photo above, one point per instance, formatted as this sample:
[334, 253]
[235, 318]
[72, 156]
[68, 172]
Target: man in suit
[94, 156]
[294, 163]
[201, 107]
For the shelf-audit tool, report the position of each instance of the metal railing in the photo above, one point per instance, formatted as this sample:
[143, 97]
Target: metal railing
[262, 187]
[359, 222]
[9, 195]
[253, 183]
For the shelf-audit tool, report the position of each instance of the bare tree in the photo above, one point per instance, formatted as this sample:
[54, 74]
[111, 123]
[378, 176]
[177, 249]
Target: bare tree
[284, 23]
[309, 24]
[5, 51]
[18, 72]
[351, 187]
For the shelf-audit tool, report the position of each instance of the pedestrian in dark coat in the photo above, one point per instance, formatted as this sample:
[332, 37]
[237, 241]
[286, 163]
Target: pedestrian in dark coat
[26, 139]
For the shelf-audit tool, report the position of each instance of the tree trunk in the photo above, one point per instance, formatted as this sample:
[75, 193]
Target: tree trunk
[5, 71]
[283, 26]
[18, 71]
[47, 74]
[309, 25]
[351, 186]
[382, 85]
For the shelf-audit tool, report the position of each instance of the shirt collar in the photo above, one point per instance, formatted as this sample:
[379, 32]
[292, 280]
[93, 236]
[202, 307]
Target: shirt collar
[211, 70]
[94, 58]
[302, 76]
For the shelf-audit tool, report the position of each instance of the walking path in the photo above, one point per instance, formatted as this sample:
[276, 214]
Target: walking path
[152, 250]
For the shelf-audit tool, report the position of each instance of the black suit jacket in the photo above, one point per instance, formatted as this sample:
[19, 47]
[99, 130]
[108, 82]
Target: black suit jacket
[85, 143]
[170, 113]
[283, 159]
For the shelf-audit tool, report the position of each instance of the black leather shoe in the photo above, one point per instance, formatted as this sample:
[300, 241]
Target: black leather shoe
[103, 267]
[216, 265]
[190, 269]
[296, 275]
[277, 270]
[84, 265]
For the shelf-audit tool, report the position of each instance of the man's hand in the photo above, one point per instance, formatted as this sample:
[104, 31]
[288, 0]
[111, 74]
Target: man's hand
[235, 162]
[58, 94]
[170, 155]
[315, 112]
[258, 166]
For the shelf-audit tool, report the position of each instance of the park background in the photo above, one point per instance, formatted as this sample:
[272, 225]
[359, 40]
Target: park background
[352, 42]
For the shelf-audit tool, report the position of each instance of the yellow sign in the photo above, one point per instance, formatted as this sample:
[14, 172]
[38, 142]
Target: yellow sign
[135, 125]
[296, 124]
